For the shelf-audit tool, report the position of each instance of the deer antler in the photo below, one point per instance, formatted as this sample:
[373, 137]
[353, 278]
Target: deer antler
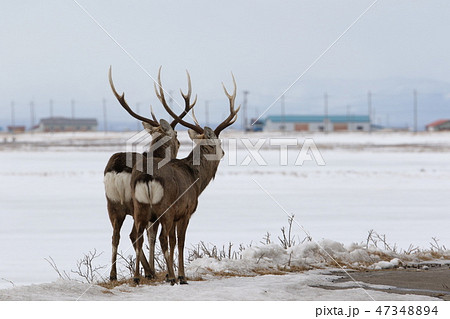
[187, 97]
[188, 106]
[121, 99]
[233, 113]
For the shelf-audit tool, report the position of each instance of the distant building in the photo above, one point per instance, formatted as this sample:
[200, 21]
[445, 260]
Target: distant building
[16, 129]
[317, 123]
[439, 125]
[257, 125]
[64, 124]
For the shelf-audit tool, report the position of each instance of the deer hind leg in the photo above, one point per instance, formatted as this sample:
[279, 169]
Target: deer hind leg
[140, 227]
[181, 235]
[167, 255]
[143, 260]
[116, 217]
[152, 231]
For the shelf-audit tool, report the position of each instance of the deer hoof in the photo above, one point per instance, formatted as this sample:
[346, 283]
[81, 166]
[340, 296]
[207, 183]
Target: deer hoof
[112, 278]
[151, 276]
[182, 280]
[136, 280]
[171, 281]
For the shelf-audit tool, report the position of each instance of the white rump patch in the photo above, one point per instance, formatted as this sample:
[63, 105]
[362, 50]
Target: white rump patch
[142, 194]
[118, 186]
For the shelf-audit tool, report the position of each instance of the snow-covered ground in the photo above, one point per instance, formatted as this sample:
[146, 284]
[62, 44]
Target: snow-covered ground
[52, 204]
[269, 287]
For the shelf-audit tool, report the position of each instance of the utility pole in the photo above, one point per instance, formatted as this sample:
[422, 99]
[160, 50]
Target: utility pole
[244, 111]
[72, 106]
[170, 98]
[32, 116]
[13, 115]
[105, 123]
[51, 107]
[374, 116]
[415, 111]
[138, 127]
[325, 104]
[283, 115]
[207, 112]
[369, 103]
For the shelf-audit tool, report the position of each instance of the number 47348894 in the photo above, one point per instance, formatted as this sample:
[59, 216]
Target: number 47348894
[407, 310]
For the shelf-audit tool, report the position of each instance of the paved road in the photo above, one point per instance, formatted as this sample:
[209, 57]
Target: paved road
[433, 282]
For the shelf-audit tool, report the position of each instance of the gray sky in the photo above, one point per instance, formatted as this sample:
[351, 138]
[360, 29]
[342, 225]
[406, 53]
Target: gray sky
[53, 50]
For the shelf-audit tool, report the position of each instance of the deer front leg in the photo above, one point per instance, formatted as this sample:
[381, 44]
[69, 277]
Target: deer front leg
[163, 237]
[152, 231]
[181, 234]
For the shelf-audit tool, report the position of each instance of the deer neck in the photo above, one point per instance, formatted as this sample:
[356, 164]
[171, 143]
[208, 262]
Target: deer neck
[205, 163]
[160, 148]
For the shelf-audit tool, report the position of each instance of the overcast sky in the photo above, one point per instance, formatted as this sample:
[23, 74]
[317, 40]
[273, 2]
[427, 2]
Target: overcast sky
[54, 50]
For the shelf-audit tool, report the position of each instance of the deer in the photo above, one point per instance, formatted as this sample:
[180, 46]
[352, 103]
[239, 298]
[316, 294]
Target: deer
[169, 195]
[117, 175]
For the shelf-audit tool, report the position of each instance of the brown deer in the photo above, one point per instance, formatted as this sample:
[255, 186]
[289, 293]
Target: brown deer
[170, 194]
[117, 175]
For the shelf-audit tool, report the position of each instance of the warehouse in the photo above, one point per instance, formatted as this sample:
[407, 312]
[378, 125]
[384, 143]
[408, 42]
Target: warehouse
[317, 123]
[63, 124]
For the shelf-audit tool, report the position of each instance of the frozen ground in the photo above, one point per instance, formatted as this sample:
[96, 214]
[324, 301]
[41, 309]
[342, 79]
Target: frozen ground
[52, 201]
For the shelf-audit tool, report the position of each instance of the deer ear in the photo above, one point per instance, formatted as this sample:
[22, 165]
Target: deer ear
[192, 134]
[150, 128]
[165, 126]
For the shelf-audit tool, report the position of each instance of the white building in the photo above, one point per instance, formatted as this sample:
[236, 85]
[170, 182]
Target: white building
[317, 123]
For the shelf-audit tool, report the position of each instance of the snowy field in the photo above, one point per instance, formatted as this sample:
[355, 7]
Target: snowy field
[52, 204]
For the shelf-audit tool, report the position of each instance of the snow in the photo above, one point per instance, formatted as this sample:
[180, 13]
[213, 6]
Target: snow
[53, 204]
[269, 287]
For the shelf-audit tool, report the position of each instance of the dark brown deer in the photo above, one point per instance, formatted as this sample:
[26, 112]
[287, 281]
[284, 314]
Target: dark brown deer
[175, 187]
[117, 175]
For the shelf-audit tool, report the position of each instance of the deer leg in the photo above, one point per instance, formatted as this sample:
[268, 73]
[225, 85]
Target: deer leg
[172, 242]
[116, 222]
[143, 260]
[152, 231]
[181, 235]
[164, 247]
[140, 227]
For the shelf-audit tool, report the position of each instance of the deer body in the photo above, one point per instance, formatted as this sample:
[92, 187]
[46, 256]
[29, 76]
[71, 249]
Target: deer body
[170, 194]
[117, 180]
[179, 183]
[117, 177]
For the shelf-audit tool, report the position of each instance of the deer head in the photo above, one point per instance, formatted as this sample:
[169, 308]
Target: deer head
[206, 135]
[159, 129]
